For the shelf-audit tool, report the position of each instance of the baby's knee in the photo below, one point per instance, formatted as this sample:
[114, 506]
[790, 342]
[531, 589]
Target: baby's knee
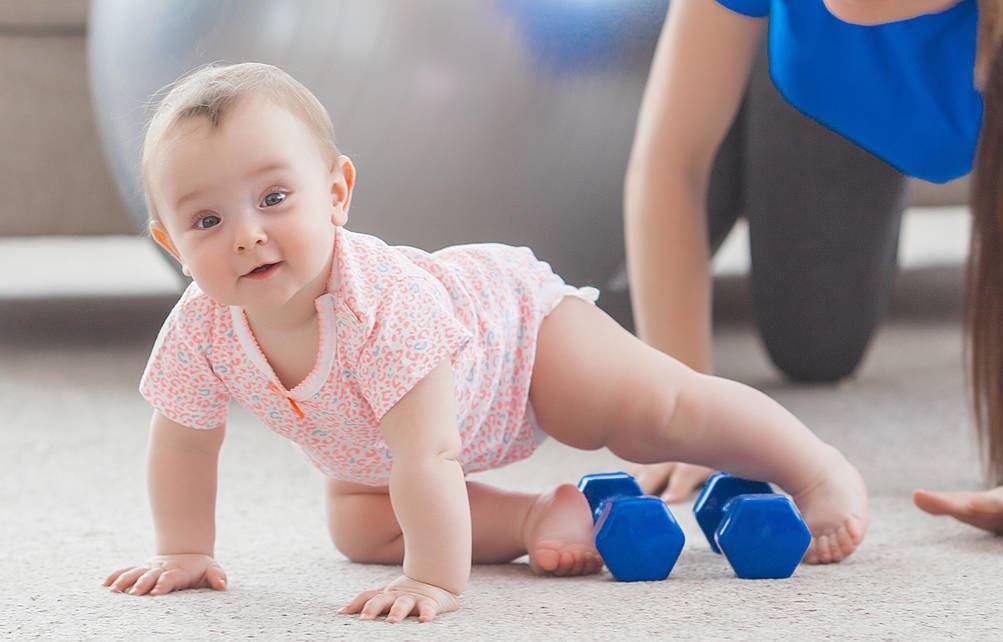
[652, 404]
[367, 550]
[361, 531]
[690, 406]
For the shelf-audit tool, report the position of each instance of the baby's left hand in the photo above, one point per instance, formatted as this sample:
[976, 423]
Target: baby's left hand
[402, 597]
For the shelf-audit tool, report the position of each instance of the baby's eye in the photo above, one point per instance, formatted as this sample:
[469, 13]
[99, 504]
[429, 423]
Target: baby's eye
[207, 221]
[270, 202]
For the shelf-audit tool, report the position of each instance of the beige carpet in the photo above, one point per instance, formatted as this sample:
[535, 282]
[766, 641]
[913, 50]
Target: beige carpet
[74, 507]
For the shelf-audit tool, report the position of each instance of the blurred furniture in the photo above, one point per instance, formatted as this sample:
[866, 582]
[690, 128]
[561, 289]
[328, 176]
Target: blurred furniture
[55, 178]
[53, 174]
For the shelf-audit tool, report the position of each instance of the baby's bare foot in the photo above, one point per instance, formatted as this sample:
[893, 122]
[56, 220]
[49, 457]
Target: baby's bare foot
[558, 534]
[835, 509]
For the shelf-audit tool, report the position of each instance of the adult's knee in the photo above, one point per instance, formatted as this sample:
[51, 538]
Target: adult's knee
[817, 314]
[823, 349]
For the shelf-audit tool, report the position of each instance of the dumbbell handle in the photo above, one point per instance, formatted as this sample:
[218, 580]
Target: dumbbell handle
[600, 488]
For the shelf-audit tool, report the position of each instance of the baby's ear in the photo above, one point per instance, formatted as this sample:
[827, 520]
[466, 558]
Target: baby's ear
[163, 239]
[342, 186]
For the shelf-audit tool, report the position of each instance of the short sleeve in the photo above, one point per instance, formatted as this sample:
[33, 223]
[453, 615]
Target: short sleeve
[178, 380]
[415, 329]
[751, 8]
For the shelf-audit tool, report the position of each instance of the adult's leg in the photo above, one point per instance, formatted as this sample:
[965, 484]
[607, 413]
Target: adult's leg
[824, 220]
[724, 190]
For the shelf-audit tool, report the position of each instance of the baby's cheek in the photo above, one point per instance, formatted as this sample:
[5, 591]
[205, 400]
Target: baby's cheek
[310, 246]
[217, 283]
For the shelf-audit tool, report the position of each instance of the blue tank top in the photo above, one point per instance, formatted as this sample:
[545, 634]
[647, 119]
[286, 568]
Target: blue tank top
[903, 91]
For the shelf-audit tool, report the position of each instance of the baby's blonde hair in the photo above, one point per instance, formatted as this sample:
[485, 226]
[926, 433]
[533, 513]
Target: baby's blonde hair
[212, 91]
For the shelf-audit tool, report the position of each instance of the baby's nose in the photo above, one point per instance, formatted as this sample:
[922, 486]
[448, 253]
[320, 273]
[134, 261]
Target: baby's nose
[242, 244]
[249, 235]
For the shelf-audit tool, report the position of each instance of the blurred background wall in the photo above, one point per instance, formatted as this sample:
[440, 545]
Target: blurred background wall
[53, 173]
[522, 112]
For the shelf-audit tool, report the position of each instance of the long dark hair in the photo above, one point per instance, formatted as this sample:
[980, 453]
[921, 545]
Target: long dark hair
[984, 272]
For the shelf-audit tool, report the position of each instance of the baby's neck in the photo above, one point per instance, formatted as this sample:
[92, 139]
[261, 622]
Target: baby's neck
[289, 318]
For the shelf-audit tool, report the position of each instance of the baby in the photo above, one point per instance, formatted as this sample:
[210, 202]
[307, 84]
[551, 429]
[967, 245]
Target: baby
[397, 371]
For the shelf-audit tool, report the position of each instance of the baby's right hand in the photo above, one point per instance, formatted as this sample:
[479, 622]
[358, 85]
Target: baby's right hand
[165, 573]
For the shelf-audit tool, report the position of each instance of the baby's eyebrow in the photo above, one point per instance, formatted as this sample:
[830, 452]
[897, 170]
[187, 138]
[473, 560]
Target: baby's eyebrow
[272, 166]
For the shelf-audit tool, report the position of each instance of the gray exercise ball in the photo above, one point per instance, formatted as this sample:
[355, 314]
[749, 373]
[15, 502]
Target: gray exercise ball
[469, 121]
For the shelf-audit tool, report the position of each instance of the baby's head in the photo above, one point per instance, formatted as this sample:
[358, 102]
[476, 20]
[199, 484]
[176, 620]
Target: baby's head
[240, 169]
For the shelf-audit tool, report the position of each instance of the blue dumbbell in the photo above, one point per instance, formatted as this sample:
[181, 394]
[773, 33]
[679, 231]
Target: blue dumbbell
[761, 533]
[636, 534]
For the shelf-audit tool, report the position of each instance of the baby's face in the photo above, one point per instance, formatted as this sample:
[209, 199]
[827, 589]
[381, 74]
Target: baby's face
[255, 192]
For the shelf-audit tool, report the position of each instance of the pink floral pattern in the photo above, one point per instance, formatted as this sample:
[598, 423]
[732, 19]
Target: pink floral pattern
[390, 315]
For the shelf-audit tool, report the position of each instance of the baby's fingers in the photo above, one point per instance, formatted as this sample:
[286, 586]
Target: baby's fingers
[427, 610]
[126, 579]
[215, 577]
[401, 609]
[171, 580]
[360, 600]
[114, 576]
[376, 605]
[144, 583]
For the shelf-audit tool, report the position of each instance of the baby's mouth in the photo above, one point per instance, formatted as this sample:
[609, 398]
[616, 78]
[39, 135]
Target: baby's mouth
[263, 269]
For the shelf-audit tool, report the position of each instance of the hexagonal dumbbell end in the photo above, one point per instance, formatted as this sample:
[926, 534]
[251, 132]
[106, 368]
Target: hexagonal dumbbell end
[601, 487]
[718, 491]
[638, 538]
[763, 536]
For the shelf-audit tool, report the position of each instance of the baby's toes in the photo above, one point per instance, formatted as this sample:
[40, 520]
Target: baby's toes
[841, 545]
[810, 557]
[575, 568]
[595, 563]
[835, 552]
[544, 560]
[563, 560]
[818, 552]
[834, 546]
[587, 562]
[566, 564]
[848, 538]
[848, 542]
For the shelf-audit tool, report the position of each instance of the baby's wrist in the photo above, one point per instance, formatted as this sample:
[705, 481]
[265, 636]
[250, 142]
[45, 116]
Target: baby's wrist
[406, 582]
[180, 558]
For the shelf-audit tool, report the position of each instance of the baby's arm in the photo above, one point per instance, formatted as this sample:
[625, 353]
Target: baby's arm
[181, 480]
[429, 497]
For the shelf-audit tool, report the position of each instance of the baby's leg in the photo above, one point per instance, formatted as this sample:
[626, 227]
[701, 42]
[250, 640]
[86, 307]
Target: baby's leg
[555, 527]
[595, 384]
